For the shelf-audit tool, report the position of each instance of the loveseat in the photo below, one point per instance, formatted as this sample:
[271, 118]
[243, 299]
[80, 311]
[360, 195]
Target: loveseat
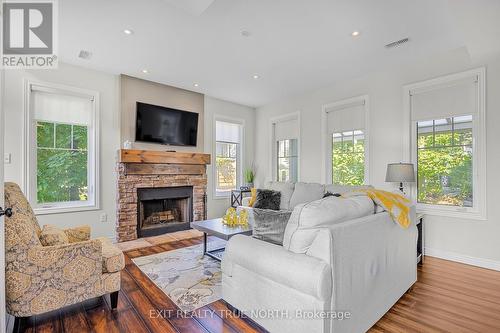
[342, 265]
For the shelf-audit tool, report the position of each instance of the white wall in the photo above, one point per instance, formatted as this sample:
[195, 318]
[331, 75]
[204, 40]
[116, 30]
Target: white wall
[108, 87]
[467, 240]
[216, 107]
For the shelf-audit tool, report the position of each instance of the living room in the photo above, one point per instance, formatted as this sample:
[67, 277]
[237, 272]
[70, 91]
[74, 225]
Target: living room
[274, 166]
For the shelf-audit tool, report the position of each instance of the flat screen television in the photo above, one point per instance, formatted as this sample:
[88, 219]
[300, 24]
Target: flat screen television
[164, 125]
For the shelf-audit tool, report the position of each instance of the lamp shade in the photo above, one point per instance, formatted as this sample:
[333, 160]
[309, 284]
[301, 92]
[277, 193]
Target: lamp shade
[400, 172]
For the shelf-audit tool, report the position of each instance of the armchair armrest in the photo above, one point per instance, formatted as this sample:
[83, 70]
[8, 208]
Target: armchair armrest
[78, 234]
[298, 271]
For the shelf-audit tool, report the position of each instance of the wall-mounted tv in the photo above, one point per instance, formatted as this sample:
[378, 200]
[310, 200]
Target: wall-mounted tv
[164, 125]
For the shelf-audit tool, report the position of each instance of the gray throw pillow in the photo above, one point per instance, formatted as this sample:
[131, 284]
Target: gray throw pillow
[269, 225]
[267, 199]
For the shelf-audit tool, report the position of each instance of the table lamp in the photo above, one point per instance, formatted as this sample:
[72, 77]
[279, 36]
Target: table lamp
[400, 173]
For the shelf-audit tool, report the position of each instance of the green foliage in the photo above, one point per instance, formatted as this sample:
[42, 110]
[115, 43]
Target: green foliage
[61, 167]
[348, 163]
[445, 168]
[249, 176]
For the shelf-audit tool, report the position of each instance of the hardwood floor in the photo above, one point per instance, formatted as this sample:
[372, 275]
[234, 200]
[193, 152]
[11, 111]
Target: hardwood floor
[448, 297]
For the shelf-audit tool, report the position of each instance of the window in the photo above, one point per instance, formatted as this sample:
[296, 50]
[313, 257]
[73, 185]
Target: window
[227, 157]
[346, 131]
[348, 162]
[285, 148]
[444, 159]
[448, 144]
[287, 160]
[62, 169]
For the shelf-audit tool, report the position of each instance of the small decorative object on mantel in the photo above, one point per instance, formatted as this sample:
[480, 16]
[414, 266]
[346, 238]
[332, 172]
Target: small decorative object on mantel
[400, 173]
[127, 144]
[232, 219]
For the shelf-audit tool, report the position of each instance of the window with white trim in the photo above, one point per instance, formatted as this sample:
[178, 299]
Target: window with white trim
[228, 170]
[287, 161]
[286, 148]
[62, 153]
[448, 144]
[346, 142]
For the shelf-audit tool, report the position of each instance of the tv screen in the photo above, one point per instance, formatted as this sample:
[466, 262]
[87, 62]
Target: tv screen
[164, 125]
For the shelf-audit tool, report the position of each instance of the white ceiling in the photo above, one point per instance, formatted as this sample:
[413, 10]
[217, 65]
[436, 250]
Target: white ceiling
[294, 45]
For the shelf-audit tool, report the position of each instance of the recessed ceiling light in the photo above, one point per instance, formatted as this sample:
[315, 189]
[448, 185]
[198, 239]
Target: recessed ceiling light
[128, 31]
[246, 33]
[256, 76]
[145, 71]
[196, 85]
[355, 34]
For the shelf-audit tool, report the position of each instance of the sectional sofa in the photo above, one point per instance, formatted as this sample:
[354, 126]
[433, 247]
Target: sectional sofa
[342, 265]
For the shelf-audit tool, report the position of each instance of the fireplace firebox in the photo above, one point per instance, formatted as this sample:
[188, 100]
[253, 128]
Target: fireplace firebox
[163, 210]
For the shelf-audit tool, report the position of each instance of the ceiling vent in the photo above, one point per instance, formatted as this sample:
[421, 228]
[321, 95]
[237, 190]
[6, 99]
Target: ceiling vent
[397, 43]
[85, 55]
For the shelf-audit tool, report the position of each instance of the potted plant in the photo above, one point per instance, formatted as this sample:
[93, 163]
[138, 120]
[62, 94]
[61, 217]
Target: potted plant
[249, 178]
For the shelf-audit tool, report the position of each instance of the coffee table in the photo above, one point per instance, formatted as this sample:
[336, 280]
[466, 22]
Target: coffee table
[216, 228]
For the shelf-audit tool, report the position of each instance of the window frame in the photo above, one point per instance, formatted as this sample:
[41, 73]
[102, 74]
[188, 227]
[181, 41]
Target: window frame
[273, 152]
[278, 157]
[478, 210]
[327, 136]
[240, 154]
[30, 148]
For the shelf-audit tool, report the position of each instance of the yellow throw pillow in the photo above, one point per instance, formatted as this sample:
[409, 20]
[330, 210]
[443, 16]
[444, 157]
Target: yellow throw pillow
[253, 197]
[52, 235]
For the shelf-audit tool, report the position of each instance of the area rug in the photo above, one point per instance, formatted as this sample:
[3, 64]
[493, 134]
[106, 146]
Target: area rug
[190, 279]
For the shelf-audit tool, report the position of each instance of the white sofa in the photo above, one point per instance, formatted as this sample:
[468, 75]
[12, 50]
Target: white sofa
[330, 265]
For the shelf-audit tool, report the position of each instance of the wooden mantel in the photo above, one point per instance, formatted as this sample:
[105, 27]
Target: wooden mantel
[162, 157]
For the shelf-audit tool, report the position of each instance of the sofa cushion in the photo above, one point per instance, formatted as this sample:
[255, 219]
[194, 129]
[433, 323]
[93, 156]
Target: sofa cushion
[307, 219]
[112, 257]
[267, 199]
[52, 235]
[306, 192]
[269, 225]
[286, 190]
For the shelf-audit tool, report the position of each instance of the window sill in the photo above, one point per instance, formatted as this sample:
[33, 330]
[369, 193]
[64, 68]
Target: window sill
[457, 212]
[222, 195]
[63, 210]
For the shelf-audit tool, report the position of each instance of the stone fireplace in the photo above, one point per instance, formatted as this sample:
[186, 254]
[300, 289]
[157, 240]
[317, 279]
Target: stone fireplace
[159, 192]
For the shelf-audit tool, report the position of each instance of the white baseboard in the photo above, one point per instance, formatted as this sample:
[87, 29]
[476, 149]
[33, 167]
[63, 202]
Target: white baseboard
[474, 261]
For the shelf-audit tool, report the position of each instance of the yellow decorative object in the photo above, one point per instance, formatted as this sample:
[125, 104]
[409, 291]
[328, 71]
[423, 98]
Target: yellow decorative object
[232, 219]
[243, 218]
[253, 198]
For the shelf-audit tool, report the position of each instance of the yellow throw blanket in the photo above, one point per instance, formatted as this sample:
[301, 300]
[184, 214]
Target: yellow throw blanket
[397, 205]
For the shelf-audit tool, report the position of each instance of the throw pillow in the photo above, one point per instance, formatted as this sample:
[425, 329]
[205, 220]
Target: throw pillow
[267, 199]
[269, 225]
[52, 235]
[330, 194]
[253, 190]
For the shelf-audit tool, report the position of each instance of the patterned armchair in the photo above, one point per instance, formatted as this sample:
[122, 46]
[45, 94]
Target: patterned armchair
[45, 278]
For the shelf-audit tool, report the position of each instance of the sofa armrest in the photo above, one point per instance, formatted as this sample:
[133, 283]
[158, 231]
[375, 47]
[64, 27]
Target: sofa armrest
[78, 234]
[307, 274]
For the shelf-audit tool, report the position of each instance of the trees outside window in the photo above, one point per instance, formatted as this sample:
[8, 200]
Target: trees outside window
[444, 161]
[348, 158]
[61, 162]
